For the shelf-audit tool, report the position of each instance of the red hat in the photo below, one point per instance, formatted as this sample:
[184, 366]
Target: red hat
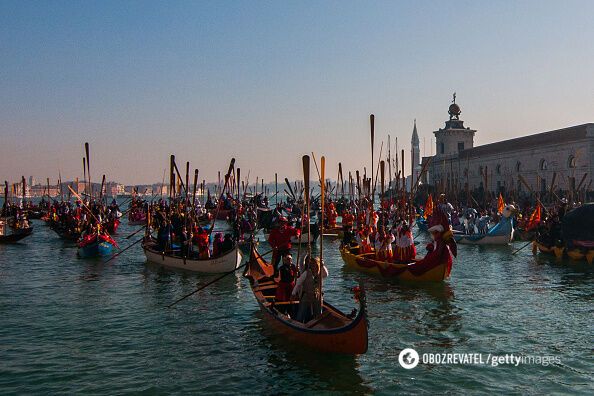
[282, 219]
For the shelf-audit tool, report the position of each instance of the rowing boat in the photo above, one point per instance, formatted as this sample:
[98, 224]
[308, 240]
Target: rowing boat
[16, 235]
[423, 270]
[332, 331]
[227, 262]
[97, 246]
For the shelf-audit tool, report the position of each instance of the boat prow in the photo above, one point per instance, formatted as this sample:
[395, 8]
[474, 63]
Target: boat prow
[332, 331]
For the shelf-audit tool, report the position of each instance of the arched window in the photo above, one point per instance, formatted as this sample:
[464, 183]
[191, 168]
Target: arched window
[498, 169]
[480, 170]
[543, 165]
[465, 172]
[518, 166]
[571, 162]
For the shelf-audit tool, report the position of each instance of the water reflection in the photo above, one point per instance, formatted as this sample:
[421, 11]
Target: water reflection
[293, 367]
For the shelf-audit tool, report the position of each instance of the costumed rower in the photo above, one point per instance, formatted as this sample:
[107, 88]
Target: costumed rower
[280, 241]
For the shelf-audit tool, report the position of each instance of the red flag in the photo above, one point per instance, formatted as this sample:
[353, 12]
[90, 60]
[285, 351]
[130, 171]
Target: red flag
[534, 218]
[500, 204]
[428, 207]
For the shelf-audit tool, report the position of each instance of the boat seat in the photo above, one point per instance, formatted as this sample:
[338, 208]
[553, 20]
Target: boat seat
[271, 286]
[314, 322]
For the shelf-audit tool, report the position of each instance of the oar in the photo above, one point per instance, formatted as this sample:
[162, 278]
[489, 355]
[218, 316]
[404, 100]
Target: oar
[206, 285]
[122, 251]
[290, 188]
[516, 251]
[136, 232]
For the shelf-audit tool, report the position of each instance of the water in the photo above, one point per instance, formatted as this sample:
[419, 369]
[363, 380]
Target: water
[71, 325]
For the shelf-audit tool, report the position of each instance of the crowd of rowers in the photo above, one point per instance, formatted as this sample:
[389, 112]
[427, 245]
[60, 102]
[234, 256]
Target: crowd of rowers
[83, 220]
[16, 215]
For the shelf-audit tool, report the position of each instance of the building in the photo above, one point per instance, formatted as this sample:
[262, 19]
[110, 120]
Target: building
[559, 161]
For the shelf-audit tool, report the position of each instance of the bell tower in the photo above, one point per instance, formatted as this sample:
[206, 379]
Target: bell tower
[454, 137]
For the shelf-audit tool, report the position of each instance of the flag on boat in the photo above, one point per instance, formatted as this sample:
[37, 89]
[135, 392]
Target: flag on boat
[500, 204]
[428, 207]
[534, 218]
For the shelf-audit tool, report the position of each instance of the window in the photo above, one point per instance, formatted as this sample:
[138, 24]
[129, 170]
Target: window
[518, 166]
[466, 172]
[480, 171]
[571, 162]
[543, 164]
[441, 148]
[460, 146]
[498, 169]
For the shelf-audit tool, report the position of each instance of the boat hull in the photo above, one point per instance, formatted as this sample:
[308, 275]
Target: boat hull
[225, 263]
[485, 240]
[96, 249]
[404, 272]
[349, 336]
[16, 236]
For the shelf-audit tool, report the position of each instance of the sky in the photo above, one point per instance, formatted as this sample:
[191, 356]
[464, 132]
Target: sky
[268, 81]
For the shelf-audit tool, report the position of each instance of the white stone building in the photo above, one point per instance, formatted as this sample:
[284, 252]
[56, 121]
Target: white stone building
[564, 157]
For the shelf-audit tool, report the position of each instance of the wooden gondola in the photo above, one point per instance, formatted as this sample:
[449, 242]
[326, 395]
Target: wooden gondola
[228, 261]
[417, 271]
[16, 235]
[333, 331]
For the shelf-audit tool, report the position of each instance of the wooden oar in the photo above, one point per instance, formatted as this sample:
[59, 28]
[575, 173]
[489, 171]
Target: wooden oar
[323, 198]
[136, 232]
[206, 285]
[88, 169]
[516, 251]
[122, 251]
[372, 122]
[290, 188]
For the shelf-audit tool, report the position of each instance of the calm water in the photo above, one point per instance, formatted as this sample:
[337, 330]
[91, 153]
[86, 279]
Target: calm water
[71, 325]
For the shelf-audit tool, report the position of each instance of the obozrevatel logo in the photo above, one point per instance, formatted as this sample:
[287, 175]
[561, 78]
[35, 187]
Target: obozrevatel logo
[408, 358]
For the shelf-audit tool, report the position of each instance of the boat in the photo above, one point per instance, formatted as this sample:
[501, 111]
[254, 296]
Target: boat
[226, 262]
[500, 234]
[578, 236]
[137, 218]
[333, 331]
[15, 236]
[96, 246]
[112, 225]
[422, 270]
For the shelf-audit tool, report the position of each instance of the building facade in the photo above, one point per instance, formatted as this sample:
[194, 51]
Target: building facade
[561, 160]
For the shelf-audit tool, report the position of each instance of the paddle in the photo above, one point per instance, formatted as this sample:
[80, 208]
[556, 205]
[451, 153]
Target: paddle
[516, 251]
[206, 285]
[290, 188]
[136, 232]
[323, 198]
[122, 251]
[372, 121]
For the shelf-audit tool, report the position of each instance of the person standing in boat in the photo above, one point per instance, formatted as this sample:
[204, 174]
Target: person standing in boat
[405, 245]
[307, 290]
[280, 241]
[285, 286]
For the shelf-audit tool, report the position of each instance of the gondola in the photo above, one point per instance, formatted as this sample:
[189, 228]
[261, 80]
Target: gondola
[228, 261]
[97, 246]
[333, 331]
[500, 234]
[16, 235]
[418, 271]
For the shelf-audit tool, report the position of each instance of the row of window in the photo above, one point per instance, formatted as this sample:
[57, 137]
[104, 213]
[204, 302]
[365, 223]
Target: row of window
[543, 165]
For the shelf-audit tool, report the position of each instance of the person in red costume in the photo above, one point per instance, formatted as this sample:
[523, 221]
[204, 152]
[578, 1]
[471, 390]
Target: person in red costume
[280, 241]
[347, 219]
[443, 246]
[332, 215]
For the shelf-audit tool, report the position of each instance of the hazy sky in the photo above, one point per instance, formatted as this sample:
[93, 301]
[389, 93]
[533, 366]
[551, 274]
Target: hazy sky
[267, 82]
